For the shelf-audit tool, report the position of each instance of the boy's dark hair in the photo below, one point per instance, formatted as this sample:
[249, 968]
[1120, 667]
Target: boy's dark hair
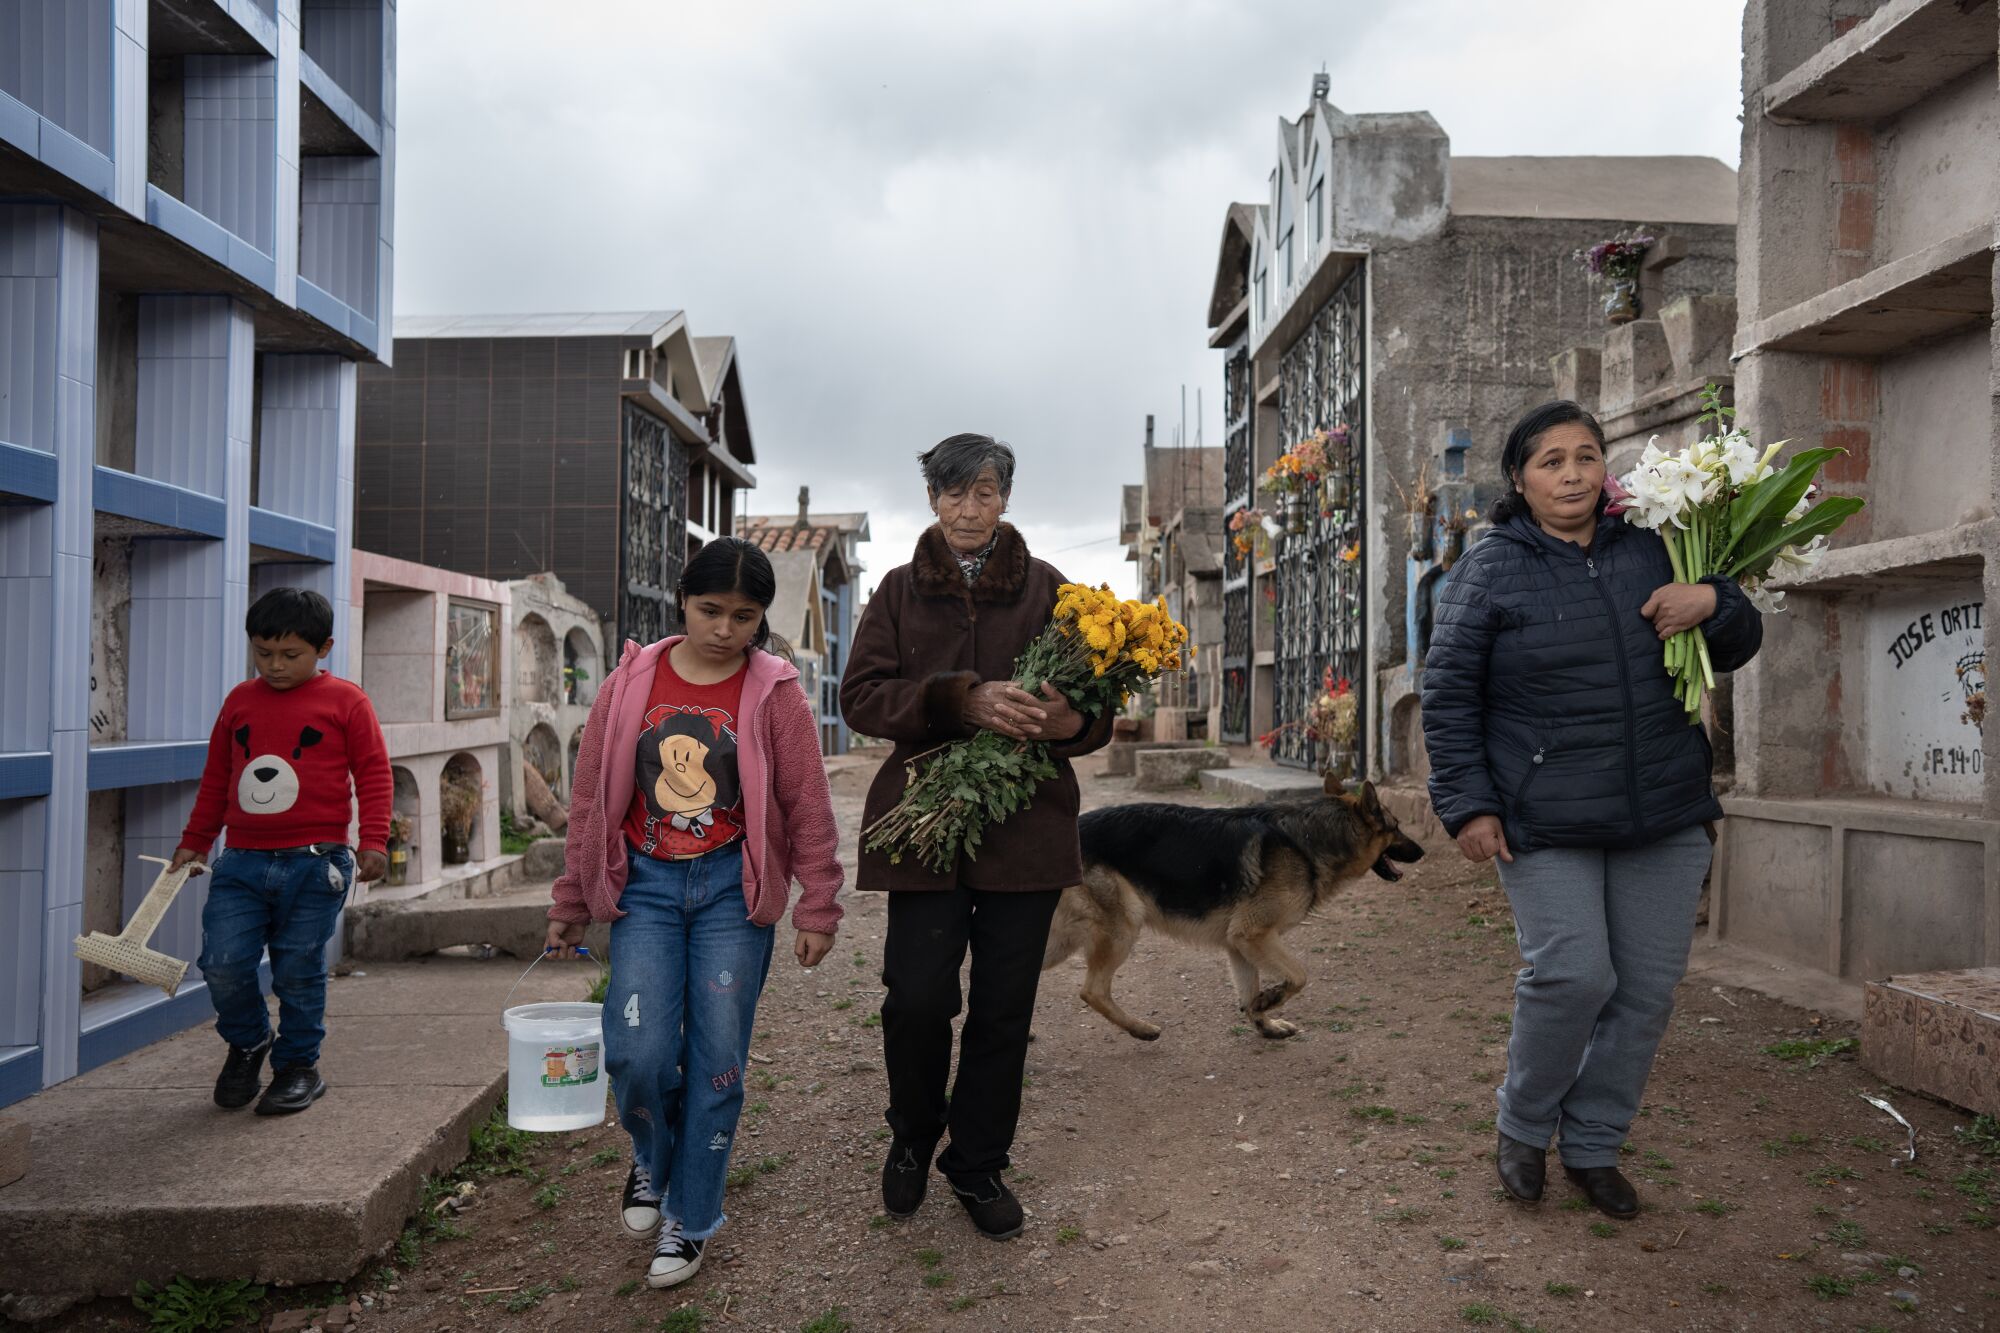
[731, 564]
[283, 611]
[1520, 447]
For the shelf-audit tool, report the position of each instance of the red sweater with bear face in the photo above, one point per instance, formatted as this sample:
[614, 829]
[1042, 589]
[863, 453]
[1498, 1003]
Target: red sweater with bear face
[285, 766]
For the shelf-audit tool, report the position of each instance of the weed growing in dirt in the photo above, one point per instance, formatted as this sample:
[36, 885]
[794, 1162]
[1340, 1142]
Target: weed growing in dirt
[547, 1197]
[1896, 1262]
[1386, 1114]
[844, 1002]
[1399, 1216]
[1657, 1161]
[687, 1319]
[1479, 1313]
[756, 1108]
[930, 1258]
[1826, 1175]
[1847, 1234]
[873, 1020]
[1603, 1230]
[1450, 1243]
[1561, 1288]
[1066, 1235]
[1937, 1228]
[830, 1322]
[1982, 1136]
[1828, 1287]
[1713, 1207]
[1813, 1050]
[962, 1303]
[1576, 1204]
[527, 1298]
[1446, 1173]
[189, 1306]
[936, 1278]
[881, 1221]
[627, 1287]
[739, 1176]
[1715, 1288]
[1867, 1144]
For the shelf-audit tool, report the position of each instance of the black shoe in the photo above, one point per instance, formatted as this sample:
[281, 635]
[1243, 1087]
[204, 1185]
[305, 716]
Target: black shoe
[293, 1088]
[242, 1075]
[1607, 1189]
[639, 1207]
[675, 1258]
[905, 1177]
[991, 1205]
[1522, 1166]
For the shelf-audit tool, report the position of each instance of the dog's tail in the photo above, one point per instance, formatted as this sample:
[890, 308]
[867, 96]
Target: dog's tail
[1070, 930]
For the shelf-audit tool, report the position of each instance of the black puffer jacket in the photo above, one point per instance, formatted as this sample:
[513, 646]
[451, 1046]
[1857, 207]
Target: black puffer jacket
[1546, 696]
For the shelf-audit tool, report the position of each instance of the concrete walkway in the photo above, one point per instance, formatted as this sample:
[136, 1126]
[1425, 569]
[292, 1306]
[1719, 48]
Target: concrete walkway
[134, 1173]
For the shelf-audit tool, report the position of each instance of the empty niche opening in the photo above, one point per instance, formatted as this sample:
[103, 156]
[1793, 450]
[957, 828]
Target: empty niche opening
[535, 660]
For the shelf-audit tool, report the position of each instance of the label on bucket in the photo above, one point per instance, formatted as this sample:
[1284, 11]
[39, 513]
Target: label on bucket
[569, 1066]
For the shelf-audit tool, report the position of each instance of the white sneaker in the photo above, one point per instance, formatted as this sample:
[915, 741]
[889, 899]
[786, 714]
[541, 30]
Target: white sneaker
[675, 1258]
[639, 1210]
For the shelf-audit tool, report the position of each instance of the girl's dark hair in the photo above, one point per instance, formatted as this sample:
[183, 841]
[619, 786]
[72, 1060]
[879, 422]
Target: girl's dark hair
[721, 745]
[1521, 443]
[730, 564]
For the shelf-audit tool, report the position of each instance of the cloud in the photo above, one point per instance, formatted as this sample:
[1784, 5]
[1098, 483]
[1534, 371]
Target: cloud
[919, 219]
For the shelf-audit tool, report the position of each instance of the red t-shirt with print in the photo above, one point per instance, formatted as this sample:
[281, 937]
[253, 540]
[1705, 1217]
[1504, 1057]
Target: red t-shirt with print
[687, 798]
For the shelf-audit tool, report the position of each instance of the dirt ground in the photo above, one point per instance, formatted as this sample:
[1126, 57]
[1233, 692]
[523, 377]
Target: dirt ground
[1217, 1180]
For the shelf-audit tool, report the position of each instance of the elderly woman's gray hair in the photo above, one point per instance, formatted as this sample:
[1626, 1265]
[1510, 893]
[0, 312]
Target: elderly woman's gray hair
[954, 463]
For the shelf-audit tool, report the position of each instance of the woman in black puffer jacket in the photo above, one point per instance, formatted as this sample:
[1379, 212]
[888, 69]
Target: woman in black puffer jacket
[1557, 746]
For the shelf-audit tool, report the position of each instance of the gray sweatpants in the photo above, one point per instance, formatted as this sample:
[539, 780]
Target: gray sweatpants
[1605, 935]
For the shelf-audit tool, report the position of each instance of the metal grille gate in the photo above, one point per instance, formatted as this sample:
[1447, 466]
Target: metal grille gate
[1320, 607]
[653, 519]
[1237, 640]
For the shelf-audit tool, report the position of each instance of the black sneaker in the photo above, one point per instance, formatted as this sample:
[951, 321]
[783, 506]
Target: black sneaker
[242, 1075]
[675, 1258]
[991, 1205]
[293, 1088]
[905, 1177]
[639, 1209]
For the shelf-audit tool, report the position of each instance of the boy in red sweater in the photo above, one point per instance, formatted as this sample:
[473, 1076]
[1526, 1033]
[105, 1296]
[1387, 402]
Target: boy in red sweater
[279, 763]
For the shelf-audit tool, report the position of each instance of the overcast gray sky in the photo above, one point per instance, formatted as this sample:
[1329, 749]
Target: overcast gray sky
[925, 218]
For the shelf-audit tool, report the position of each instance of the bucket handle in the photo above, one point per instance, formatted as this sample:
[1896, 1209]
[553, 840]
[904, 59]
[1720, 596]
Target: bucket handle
[583, 951]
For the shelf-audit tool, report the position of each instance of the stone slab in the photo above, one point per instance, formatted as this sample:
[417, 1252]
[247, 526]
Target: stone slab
[1168, 770]
[137, 1175]
[1119, 756]
[14, 1144]
[1937, 1033]
[1263, 782]
[543, 860]
[515, 924]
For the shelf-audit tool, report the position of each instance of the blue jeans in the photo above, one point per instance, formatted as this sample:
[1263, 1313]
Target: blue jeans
[687, 966]
[285, 901]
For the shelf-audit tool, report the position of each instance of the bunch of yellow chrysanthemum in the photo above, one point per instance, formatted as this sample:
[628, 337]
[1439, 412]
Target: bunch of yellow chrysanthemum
[1096, 649]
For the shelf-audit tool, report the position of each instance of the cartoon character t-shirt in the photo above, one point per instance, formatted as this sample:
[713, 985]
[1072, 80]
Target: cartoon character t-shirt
[687, 800]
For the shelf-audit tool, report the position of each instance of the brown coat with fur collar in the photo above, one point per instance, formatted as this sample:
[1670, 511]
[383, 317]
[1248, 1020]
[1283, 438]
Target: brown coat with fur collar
[924, 642]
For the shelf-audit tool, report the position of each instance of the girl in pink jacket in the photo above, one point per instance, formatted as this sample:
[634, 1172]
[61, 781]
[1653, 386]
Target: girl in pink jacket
[699, 795]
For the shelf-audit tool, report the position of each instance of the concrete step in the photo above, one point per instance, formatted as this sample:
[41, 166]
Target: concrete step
[135, 1174]
[515, 923]
[1266, 782]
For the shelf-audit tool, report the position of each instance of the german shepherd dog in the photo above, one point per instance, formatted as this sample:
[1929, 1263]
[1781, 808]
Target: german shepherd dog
[1233, 879]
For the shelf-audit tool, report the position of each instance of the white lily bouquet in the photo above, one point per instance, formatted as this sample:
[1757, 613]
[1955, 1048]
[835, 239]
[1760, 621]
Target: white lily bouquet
[1722, 509]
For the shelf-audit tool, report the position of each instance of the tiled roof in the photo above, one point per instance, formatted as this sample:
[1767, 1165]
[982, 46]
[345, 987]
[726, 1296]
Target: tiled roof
[776, 537]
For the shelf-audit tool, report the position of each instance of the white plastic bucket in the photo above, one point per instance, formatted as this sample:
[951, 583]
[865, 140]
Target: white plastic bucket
[555, 1066]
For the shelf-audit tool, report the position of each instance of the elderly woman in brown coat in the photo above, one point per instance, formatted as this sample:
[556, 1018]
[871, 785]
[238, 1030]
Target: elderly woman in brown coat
[932, 662]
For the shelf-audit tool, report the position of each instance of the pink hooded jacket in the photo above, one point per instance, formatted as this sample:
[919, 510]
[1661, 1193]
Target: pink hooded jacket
[789, 827]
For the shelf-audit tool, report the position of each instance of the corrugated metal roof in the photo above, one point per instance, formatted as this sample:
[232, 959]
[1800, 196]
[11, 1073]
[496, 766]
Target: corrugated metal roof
[601, 324]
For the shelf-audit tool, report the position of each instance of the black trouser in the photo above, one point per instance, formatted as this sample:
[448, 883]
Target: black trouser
[928, 934]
